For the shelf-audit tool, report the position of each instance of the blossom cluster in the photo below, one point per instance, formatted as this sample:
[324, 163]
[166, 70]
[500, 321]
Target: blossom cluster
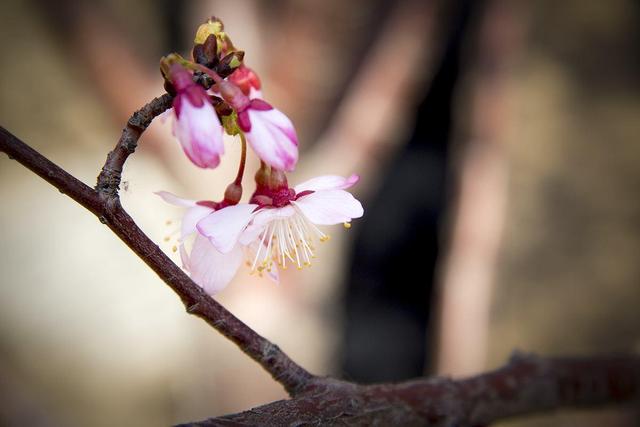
[216, 93]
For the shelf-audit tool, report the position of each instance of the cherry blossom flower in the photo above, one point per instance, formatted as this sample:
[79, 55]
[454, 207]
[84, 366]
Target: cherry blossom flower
[281, 227]
[208, 267]
[269, 131]
[196, 124]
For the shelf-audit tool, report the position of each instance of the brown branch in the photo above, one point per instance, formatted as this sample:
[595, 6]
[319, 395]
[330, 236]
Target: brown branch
[104, 202]
[526, 385]
[111, 174]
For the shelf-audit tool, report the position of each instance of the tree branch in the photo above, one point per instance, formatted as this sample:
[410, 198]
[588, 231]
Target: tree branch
[104, 202]
[111, 174]
[526, 385]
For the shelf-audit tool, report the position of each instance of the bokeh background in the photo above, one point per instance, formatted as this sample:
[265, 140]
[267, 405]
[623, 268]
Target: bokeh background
[499, 148]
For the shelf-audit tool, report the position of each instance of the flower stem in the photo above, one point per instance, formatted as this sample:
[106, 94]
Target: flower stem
[243, 159]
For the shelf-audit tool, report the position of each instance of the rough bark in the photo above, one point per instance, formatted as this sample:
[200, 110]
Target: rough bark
[527, 384]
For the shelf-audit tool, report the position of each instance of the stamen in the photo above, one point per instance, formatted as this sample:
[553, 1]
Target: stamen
[285, 239]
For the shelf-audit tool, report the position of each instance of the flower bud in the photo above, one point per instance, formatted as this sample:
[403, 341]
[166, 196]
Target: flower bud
[233, 193]
[277, 180]
[246, 79]
[206, 53]
[262, 176]
[165, 71]
[233, 95]
[212, 26]
[230, 63]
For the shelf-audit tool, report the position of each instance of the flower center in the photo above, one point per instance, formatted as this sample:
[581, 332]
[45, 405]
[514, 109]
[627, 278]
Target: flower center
[266, 197]
[287, 239]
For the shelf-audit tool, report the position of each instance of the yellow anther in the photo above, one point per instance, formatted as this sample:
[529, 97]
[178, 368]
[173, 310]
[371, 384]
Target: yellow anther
[167, 238]
[347, 225]
[168, 222]
[174, 248]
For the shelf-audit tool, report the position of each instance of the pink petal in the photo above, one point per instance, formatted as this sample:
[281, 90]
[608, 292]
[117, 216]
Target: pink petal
[329, 207]
[223, 227]
[175, 200]
[200, 133]
[255, 93]
[327, 182]
[211, 269]
[273, 138]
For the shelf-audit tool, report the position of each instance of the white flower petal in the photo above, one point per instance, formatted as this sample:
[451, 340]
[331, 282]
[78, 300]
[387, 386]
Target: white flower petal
[210, 268]
[191, 217]
[329, 207]
[223, 227]
[175, 200]
[327, 182]
[260, 220]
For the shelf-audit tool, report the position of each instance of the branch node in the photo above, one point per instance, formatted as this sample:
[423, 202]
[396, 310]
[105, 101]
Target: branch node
[193, 308]
[138, 121]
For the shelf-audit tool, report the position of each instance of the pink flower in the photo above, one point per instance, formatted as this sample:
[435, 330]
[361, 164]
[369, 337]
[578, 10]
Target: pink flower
[208, 267]
[282, 227]
[269, 132]
[196, 124]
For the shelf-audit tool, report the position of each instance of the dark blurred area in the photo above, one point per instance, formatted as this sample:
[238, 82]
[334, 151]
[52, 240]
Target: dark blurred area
[497, 142]
[390, 287]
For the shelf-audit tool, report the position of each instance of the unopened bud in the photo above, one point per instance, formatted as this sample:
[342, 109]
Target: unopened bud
[164, 70]
[230, 63]
[233, 95]
[262, 176]
[206, 53]
[212, 26]
[233, 193]
[245, 78]
[180, 77]
[277, 179]
[221, 107]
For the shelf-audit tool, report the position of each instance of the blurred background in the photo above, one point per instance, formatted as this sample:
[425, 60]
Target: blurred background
[498, 145]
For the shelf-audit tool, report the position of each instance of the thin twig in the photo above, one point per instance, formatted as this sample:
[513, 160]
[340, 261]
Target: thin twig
[111, 174]
[104, 202]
